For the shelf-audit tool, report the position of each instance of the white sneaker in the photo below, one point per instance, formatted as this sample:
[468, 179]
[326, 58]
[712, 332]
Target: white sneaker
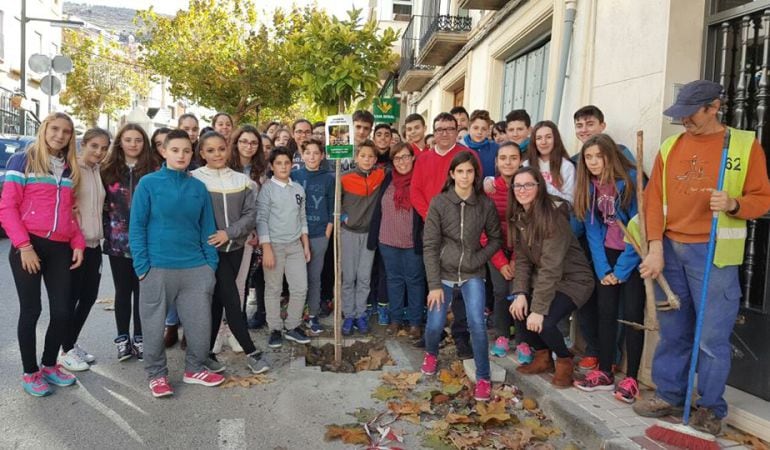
[72, 362]
[84, 355]
[233, 343]
[251, 303]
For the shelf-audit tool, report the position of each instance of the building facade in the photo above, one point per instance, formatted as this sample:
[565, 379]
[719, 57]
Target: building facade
[627, 57]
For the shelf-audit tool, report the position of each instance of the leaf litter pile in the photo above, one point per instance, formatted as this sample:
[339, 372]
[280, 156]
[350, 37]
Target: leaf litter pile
[355, 358]
[447, 416]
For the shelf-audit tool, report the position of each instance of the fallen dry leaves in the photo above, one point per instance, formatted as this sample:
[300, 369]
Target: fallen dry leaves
[403, 380]
[246, 382]
[350, 434]
[492, 411]
[374, 361]
[746, 439]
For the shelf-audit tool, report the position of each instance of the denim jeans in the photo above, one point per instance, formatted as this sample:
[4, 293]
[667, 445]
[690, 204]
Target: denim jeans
[684, 271]
[406, 275]
[473, 294]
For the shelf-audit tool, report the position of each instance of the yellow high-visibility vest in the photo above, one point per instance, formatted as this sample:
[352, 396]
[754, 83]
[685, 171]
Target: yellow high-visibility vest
[731, 231]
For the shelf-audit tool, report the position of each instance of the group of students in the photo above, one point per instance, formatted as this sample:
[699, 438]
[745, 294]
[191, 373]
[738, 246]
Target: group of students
[191, 218]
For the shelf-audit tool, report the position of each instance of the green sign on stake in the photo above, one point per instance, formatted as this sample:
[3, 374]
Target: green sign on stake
[339, 137]
[386, 109]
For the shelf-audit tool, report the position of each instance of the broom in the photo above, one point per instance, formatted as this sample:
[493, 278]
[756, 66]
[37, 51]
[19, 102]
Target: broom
[682, 435]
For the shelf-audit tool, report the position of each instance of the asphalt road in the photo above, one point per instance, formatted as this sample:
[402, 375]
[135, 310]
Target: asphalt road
[111, 406]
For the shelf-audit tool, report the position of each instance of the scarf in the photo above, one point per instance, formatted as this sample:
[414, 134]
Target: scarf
[402, 183]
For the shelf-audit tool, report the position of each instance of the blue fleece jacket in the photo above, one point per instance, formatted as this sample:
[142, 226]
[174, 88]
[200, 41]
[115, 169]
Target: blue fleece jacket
[596, 230]
[171, 220]
[487, 151]
[319, 206]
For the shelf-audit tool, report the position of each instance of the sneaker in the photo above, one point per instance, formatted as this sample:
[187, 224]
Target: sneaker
[347, 326]
[429, 364]
[524, 354]
[124, 348]
[71, 361]
[137, 348]
[84, 355]
[212, 365]
[656, 407]
[58, 377]
[204, 378]
[463, 349]
[588, 363]
[313, 325]
[596, 380]
[483, 390]
[327, 307]
[275, 340]
[257, 363]
[297, 335]
[362, 323]
[627, 390]
[500, 347]
[160, 387]
[704, 419]
[257, 321]
[383, 314]
[34, 384]
[235, 346]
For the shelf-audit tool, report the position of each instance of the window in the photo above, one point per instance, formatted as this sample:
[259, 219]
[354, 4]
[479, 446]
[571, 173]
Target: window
[402, 8]
[524, 82]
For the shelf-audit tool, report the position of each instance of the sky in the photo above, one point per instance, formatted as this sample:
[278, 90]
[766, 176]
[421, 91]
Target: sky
[336, 7]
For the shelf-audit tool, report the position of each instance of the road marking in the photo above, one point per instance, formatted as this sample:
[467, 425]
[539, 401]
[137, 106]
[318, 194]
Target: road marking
[232, 434]
[86, 396]
[128, 402]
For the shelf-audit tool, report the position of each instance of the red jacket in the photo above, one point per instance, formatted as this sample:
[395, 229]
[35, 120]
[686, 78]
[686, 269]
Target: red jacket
[430, 174]
[500, 199]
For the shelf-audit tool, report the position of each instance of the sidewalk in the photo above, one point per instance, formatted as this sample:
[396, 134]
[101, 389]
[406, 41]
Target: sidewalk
[596, 418]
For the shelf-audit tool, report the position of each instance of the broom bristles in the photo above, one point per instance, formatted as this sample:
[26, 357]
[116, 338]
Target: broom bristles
[682, 436]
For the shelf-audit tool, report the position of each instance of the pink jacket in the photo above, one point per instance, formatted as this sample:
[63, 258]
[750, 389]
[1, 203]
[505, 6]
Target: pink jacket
[41, 206]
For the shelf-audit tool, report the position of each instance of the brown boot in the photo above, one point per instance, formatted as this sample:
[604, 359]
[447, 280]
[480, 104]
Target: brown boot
[415, 332]
[541, 363]
[563, 376]
[171, 335]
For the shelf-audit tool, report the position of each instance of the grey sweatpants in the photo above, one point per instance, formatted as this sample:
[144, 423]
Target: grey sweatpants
[318, 247]
[357, 263]
[190, 290]
[289, 260]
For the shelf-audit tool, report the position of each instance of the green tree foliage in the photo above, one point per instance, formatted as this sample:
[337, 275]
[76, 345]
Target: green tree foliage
[105, 76]
[219, 55]
[337, 62]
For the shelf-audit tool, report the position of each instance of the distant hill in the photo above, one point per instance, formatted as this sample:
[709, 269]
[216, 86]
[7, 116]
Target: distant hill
[116, 20]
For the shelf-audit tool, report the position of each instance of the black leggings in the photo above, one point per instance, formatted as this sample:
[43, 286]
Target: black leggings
[55, 262]
[256, 280]
[85, 288]
[551, 337]
[126, 287]
[608, 298]
[501, 288]
[226, 297]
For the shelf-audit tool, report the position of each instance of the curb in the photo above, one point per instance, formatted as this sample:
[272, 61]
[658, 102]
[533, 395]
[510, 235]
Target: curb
[590, 431]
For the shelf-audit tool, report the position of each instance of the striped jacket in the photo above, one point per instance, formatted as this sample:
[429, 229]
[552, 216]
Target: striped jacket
[39, 205]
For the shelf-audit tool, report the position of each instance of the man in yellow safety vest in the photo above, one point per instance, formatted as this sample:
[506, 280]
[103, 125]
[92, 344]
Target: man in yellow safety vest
[680, 199]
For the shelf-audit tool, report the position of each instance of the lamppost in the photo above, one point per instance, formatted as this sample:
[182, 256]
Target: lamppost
[23, 65]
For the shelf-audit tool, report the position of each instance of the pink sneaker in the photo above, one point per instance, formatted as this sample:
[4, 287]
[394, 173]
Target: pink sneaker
[56, 376]
[204, 378]
[160, 387]
[596, 380]
[500, 347]
[429, 364]
[34, 384]
[627, 390]
[483, 390]
[524, 354]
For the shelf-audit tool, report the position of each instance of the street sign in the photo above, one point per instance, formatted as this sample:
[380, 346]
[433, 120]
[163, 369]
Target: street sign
[39, 63]
[50, 85]
[339, 137]
[386, 109]
[62, 64]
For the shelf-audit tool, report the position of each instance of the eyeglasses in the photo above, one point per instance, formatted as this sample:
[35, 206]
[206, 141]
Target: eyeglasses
[524, 187]
[249, 143]
[305, 132]
[444, 130]
[403, 158]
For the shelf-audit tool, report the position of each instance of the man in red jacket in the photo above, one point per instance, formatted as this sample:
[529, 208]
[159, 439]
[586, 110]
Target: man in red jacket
[430, 173]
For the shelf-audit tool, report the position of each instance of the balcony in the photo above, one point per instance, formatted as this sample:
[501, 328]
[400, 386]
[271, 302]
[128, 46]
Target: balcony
[412, 76]
[482, 4]
[442, 37]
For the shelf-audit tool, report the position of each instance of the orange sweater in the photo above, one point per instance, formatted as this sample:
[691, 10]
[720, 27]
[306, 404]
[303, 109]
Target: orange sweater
[692, 170]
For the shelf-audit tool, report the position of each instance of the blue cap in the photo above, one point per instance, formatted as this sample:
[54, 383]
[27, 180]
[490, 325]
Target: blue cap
[692, 97]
